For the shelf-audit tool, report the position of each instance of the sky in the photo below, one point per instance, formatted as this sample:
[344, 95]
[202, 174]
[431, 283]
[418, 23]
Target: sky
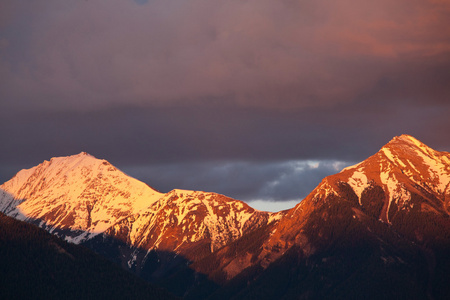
[254, 99]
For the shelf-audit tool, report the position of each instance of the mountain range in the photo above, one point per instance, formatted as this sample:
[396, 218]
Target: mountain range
[380, 228]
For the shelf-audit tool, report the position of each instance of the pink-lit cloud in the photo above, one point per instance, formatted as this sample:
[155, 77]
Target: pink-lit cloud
[251, 53]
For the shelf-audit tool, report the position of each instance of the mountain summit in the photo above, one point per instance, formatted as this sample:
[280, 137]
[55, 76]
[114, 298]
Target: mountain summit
[403, 167]
[79, 195]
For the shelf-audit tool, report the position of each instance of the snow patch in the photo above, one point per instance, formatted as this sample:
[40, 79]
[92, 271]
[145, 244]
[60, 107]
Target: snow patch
[358, 182]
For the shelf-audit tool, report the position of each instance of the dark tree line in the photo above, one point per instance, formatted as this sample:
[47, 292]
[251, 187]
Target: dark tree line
[37, 265]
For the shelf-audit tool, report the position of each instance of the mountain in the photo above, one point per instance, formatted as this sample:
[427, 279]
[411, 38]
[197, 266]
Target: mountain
[404, 183]
[88, 201]
[378, 229]
[38, 265]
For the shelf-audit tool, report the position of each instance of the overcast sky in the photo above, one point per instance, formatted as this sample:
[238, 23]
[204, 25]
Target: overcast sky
[257, 99]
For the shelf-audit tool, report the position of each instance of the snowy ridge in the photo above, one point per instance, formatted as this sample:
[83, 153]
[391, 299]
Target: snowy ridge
[181, 218]
[420, 162]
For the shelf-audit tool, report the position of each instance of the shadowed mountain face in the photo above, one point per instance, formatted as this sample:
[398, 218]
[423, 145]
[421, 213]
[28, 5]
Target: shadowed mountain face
[380, 228]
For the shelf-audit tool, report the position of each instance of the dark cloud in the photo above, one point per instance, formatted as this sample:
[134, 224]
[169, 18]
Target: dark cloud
[275, 181]
[251, 85]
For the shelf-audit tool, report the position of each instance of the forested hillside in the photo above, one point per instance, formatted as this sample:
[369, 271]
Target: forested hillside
[37, 265]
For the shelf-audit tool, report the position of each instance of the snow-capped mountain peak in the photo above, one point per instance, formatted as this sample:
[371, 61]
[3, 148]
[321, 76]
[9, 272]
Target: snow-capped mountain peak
[403, 166]
[79, 193]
